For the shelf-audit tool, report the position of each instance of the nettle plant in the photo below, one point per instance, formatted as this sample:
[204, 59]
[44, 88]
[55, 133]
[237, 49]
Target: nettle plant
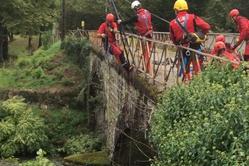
[22, 131]
[205, 122]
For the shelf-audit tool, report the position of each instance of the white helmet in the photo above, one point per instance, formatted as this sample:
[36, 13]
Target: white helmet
[135, 4]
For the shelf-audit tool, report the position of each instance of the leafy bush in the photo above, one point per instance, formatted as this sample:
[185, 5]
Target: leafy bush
[64, 123]
[23, 63]
[21, 130]
[206, 122]
[47, 39]
[38, 73]
[78, 49]
[40, 160]
[81, 144]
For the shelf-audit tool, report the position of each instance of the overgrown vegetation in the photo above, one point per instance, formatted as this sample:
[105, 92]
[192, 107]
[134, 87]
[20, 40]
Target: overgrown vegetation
[206, 122]
[59, 131]
[22, 131]
[39, 161]
[81, 144]
[18, 47]
[45, 68]
[78, 49]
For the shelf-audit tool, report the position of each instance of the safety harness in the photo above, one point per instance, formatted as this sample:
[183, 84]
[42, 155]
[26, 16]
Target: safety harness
[197, 37]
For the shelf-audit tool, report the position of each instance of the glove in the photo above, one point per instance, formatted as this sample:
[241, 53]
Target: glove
[103, 35]
[111, 30]
[119, 21]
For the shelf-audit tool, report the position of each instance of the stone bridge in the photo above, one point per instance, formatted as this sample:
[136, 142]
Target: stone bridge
[129, 98]
[129, 102]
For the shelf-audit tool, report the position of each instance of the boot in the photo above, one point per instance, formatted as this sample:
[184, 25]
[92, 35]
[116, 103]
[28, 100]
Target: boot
[125, 64]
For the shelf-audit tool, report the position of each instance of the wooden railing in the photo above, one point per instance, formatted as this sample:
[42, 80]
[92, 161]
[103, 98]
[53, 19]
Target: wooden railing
[165, 57]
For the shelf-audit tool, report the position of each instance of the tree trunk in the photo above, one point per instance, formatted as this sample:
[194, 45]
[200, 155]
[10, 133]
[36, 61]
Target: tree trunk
[40, 40]
[11, 36]
[1, 51]
[62, 26]
[30, 49]
[6, 48]
[3, 43]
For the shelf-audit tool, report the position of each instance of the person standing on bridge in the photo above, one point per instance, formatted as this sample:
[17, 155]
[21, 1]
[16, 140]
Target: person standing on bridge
[143, 25]
[107, 32]
[243, 28]
[188, 30]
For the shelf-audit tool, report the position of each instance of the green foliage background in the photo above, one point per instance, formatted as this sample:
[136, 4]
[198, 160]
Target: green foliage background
[27, 128]
[204, 123]
[213, 11]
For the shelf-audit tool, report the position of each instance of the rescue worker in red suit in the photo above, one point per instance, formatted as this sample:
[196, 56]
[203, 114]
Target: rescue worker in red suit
[107, 32]
[243, 28]
[221, 51]
[144, 27]
[222, 39]
[188, 30]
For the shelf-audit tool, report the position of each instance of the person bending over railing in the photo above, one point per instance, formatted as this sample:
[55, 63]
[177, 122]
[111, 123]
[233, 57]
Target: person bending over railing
[221, 51]
[107, 32]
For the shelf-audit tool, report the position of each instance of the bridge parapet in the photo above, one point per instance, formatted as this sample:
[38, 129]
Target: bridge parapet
[164, 55]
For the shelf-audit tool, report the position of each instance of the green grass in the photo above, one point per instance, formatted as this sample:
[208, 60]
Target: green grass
[7, 78]
[43, 69]
[18, 47]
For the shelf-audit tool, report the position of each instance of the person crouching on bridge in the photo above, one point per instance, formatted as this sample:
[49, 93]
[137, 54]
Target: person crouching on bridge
[221, 38]
[221, 51]
[188, 30]
[243, 27]
[107, 32]
[144, 28]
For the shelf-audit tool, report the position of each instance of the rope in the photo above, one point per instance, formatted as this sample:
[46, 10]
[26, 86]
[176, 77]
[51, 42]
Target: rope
[122, 34]
[178, 46]
[158, 17]
[133, 139]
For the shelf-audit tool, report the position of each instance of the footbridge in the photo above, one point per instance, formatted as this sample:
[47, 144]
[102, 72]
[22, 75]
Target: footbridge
[130, 97]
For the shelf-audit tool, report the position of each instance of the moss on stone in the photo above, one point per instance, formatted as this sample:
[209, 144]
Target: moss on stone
[96, 158]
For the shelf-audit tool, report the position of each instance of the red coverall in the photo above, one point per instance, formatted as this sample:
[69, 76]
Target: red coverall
[232, 58]
[144, 28]
[112, 44]
[243, 28]
[228, 49]
[191, 22]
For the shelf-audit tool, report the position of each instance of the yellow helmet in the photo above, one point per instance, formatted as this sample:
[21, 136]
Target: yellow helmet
[181, 5]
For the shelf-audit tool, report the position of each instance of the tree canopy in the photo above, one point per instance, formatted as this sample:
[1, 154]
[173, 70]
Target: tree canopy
[28, 15]
[213, 11]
